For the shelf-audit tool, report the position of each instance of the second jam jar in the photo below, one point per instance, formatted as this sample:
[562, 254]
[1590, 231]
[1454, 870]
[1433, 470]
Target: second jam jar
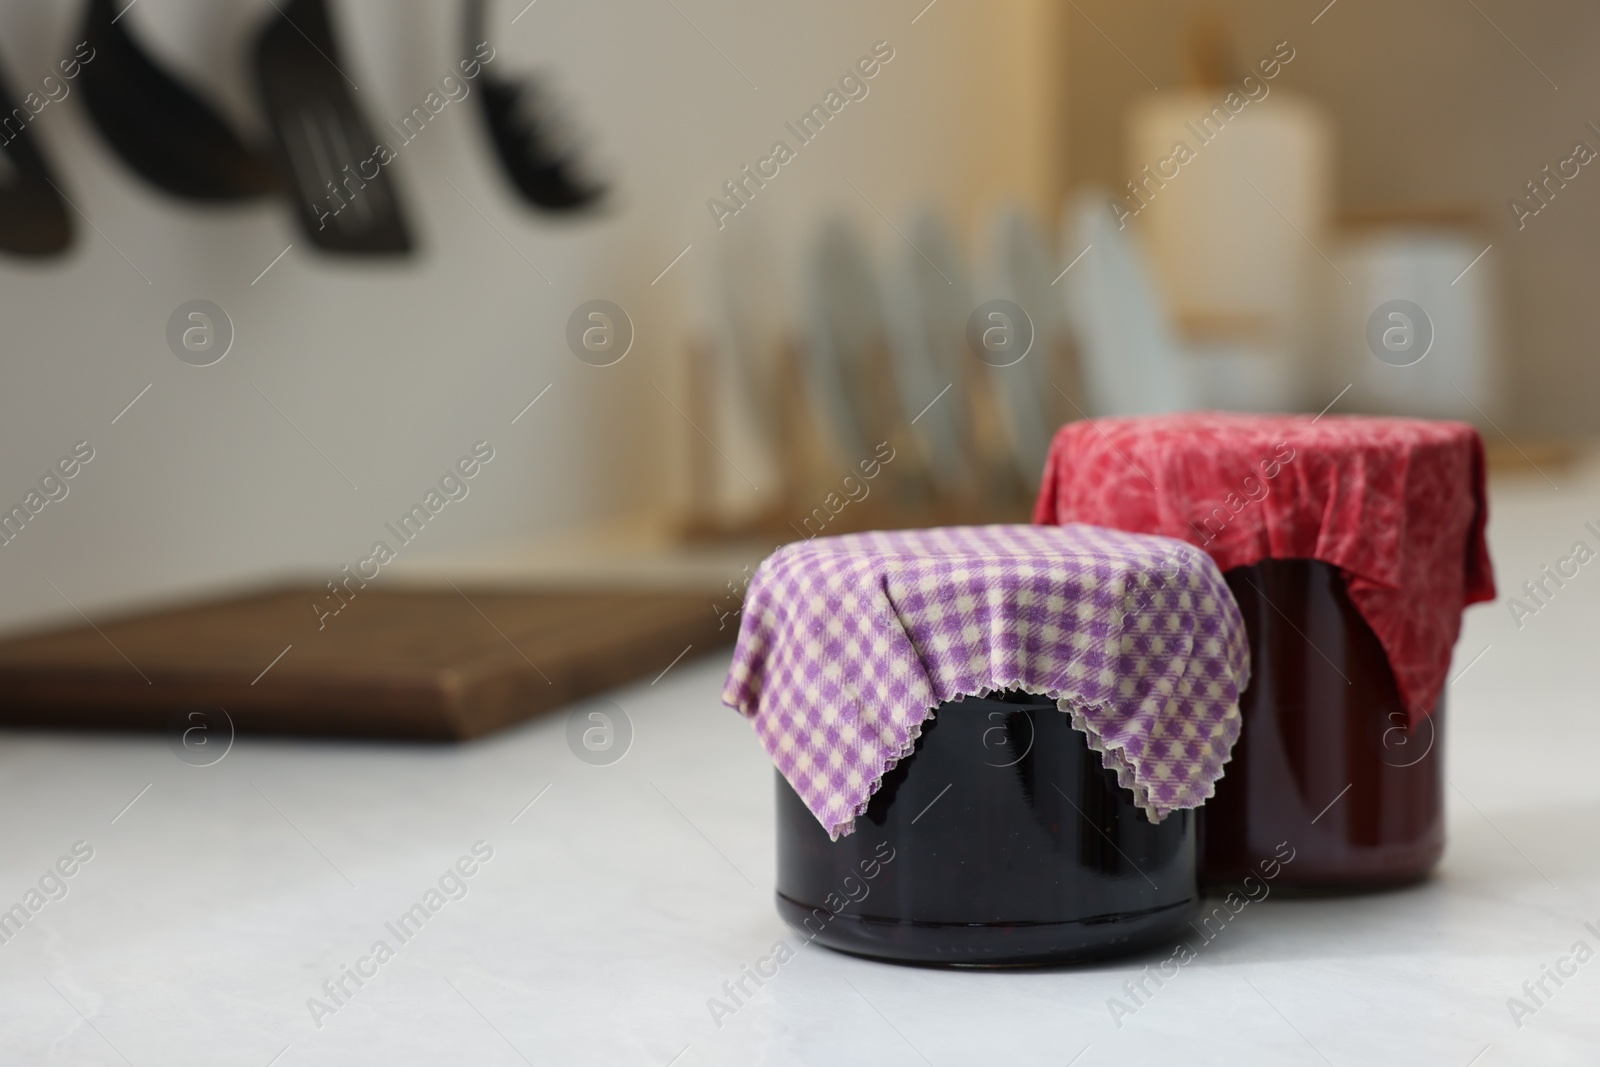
[1351, 546]
[1327, 758]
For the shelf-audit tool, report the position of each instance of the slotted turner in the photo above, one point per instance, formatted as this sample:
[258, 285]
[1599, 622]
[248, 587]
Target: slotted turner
[344, 197]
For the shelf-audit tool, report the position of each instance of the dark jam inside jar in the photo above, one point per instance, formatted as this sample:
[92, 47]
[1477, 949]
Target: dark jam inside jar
[1001, 840]
[1326, 760]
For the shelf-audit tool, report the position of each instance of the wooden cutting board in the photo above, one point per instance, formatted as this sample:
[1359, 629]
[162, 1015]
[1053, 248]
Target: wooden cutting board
[422, 664]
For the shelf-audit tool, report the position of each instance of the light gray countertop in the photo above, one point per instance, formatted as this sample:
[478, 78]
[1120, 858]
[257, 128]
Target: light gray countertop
[616, 905]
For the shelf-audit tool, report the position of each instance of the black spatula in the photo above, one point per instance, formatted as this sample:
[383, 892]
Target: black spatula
[160, 128]
[33, 219]
[542, 164]
[343, 195]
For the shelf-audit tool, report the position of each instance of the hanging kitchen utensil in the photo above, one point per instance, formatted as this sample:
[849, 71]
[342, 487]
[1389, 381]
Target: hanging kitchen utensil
[534, 146]
[33, 218]
[344, 198]
[160, 128]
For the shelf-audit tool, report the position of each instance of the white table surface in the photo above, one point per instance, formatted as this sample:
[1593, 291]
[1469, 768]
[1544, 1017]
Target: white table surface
[621, 901]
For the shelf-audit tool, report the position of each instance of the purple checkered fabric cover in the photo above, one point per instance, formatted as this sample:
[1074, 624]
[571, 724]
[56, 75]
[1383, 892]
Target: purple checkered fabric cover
[847, 644]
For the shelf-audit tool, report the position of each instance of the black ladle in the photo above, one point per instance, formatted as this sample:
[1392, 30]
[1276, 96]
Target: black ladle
[546, 173]
[160, 128]
[33, 218]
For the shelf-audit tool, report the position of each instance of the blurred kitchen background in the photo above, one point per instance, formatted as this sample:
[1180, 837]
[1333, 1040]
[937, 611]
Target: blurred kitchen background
[1018, 154]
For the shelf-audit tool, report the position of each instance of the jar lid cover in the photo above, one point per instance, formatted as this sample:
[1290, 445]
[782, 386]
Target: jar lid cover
[1399, 505]
[847, 644]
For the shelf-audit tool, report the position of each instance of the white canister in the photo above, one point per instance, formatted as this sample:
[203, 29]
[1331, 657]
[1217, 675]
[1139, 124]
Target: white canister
[1235, 209]
[1416, 333]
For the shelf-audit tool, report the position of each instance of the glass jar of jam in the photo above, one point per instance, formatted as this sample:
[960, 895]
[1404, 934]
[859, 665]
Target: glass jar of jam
[1351, 545]
[1326, 759]
[1000, 840]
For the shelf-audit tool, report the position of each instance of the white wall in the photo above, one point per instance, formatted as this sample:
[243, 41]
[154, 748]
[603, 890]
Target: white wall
[394, 369]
